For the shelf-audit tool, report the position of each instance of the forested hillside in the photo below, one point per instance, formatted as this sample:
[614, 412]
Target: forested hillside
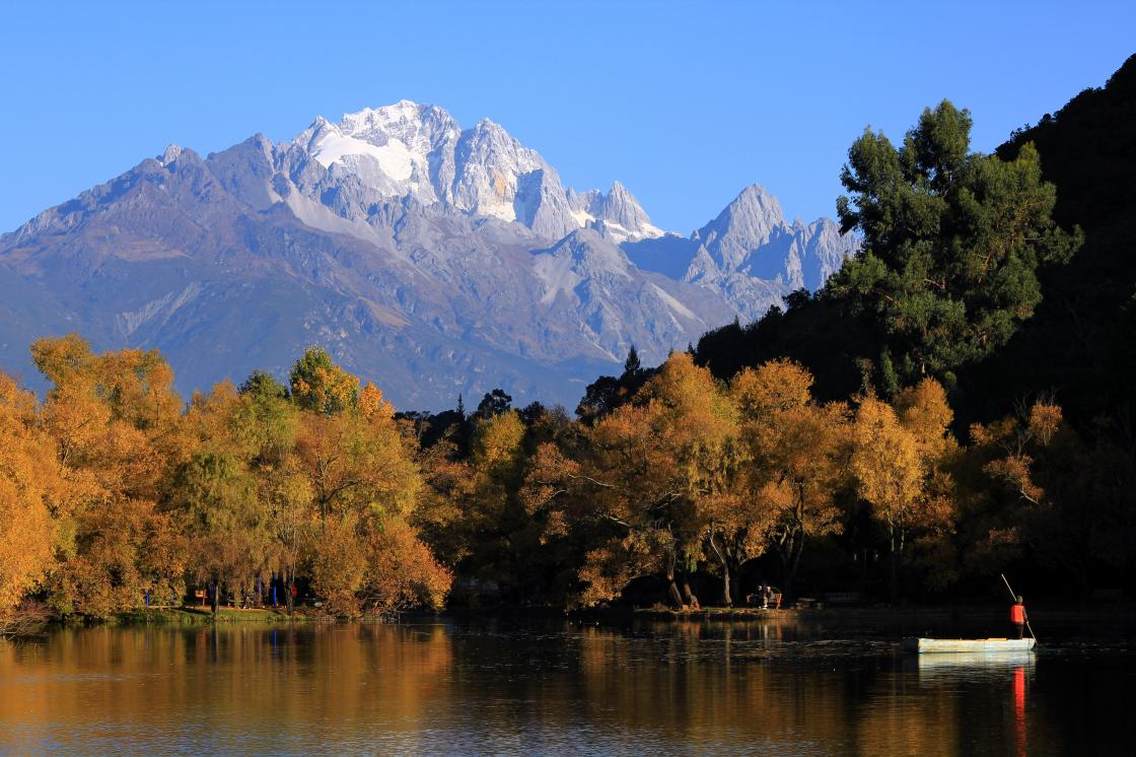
[1060, 331]
[1076, 343]
[1081, 343]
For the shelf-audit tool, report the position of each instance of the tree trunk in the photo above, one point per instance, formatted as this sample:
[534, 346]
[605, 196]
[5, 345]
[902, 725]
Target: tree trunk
[727, 585]
[672, 585]
[896, 546]
[790, 561]
[289, 587]
[215, 602]
[727, 582]
[672, 589]
[691, 597]
[891, 566]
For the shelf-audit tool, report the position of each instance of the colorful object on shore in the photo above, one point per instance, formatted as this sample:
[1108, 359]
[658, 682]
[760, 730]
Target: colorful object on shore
[956, 646]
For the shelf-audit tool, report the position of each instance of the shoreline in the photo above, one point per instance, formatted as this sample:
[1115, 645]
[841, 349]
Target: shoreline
[1119, 613]
[190, 616]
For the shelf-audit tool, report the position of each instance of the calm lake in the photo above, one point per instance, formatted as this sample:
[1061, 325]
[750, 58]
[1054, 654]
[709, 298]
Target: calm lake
[768, 687]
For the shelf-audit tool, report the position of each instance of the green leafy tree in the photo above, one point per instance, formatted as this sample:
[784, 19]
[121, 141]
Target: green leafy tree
[952, 244]
[320, 385]
[216, 498]
[263, 385]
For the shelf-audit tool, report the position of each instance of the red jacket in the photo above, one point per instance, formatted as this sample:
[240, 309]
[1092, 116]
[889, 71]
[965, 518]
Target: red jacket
[1018, 614]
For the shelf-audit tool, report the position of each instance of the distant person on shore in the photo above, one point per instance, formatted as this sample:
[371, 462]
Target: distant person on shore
[1018, 616]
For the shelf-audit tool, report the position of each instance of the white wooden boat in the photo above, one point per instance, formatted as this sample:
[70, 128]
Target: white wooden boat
[969, 664]
[968, 646]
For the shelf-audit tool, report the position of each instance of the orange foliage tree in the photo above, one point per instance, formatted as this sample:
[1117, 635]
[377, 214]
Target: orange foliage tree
[117, 423]
[647, 476]
[798, 450]
[898, 460]
[112, 494]
[365, 488]
[33, 489]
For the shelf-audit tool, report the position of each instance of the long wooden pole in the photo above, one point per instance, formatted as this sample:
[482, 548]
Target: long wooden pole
[1014, 599]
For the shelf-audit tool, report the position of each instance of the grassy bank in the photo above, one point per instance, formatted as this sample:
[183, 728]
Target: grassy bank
[190, 616]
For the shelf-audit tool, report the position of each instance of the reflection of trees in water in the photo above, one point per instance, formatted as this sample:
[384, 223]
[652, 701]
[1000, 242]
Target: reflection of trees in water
[898, 716]
[752, 685]
[240, 679]
[696, 680]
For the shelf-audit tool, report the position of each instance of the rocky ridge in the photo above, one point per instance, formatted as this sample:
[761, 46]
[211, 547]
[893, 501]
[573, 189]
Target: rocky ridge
[432, 259]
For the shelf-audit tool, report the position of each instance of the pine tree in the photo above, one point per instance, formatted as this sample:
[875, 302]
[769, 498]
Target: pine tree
[952, 243]
[632, 366]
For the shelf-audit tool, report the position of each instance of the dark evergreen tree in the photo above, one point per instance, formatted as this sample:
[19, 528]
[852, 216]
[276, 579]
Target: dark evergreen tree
[493, 404]
[953, 241]
[631, 365]
[600, 398]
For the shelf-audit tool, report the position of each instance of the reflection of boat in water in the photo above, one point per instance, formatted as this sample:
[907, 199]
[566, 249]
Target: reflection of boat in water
[983, 648]
[993, 663]
[994, 667]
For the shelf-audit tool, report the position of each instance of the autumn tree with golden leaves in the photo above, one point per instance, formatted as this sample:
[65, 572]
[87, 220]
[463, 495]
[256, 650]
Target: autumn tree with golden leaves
[898, 460]
[33, 492]
[799, 452]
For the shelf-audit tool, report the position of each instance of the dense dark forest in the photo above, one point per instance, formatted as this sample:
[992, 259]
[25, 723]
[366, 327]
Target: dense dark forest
[956, 402]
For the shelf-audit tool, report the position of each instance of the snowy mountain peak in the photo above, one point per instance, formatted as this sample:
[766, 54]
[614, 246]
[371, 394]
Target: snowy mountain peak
[170, 154]
[488, 124]
[617, 215]
[409, 149]
[621, 207]
[751, 253]
[403, 110]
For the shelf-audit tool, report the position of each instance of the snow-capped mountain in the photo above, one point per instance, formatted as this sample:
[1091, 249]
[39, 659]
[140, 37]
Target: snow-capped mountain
[407, 149]
[432, 259]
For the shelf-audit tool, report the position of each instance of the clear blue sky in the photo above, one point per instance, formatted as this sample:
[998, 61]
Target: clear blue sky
[685, 103]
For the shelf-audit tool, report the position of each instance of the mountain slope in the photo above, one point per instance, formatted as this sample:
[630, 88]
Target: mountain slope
[431, 259]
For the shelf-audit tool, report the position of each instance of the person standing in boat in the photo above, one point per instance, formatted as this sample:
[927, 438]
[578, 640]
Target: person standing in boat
[1018, 616]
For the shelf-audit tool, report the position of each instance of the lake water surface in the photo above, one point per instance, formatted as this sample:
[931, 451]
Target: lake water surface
[767, 687]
